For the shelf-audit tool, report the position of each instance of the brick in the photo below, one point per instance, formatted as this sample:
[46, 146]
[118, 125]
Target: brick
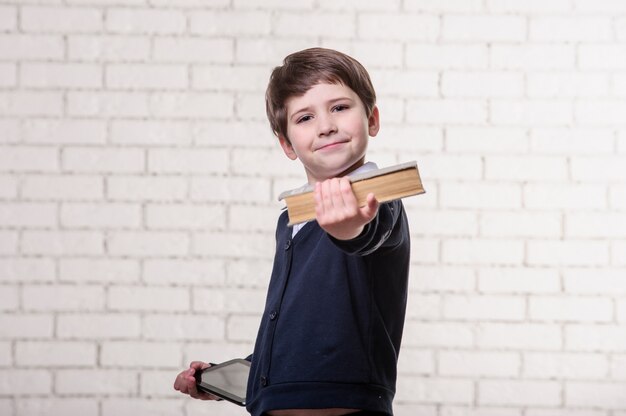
[279, 4]
[60, 20]
[55, 354]
[9, 298]
[98, 326]
[483, 28]
[567, 84]
[98, 270]
[435, 390]
[25, 269]
[145, 21]
[234, 133]
[8, 75]
[486, 140]
[65, 131]
[146, 77]
[62, 298]
[265, 162]
[28, 215]
[248, 272]
[595, 225]
[528, 168]
[51, 75]
[621, 311]
[595, 168]
[425, 250]
[109, 215]
[471, 410]
[51, 187]
[108, 48]
[424, 307]
[578, 141]
[438, 334]
[140, 354]
[406, 83]
[446, 56]
[228, 78]
[455, 6]
[369, 53]
[185, 216]
[96, 382]
[138, 298]
[6, 355]
[216, 351]
[446, 111]
[202, 106]
[399, 137]
[11, 130]
[26, 326]
[230, 23]
[619, 85]
[19, 47]
[564, 196]
[441, 279]
[108, 104]
[31, 103]
[8, 18]
[570, 29]
[201, 272]
[577, 309]
[565, 366]
[242, 328]
[193, 50]
[38, 406]
[103, 160]
[146, 188]
[250, 107]
[62, 243]
[288, 24]
[533, 56]
[605, 56]
[617, 196]
[600, 112]
[156, 384]
[620, 28]
[234, 245]
[478, 363]
[148, 243]
[230, 189]
[595, 338]
[482, 84]
[618, 253]
[363, 6]
[519, 336]
[483, 308]
[568, 253]
[8, 187]
[8, 242]
[444, 222]
[183, 327]
[530, 6]
[217, 4]
[268, 51]
[521, 224]
[253, 218]
[188, 160]
[594, 281]
[25, 159]
[518, 280]
[618, 367]
[135, 406]
[597, 395]
[408, 27]
[407, 409]
[479, 195]
[532, 112]
[519, 393]
[496, 252]
[150, 133]
[21, 382]
[416, 361]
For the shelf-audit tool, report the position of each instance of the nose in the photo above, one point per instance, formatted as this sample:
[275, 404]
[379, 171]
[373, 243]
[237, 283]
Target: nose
[326, 125]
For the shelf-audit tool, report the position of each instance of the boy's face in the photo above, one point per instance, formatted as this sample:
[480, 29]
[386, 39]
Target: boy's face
[328, 131]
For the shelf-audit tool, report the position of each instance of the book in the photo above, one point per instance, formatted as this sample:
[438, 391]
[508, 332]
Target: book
[387, 184]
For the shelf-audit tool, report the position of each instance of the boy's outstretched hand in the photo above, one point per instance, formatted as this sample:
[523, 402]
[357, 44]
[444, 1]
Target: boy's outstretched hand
[186, 383]
[337, 210]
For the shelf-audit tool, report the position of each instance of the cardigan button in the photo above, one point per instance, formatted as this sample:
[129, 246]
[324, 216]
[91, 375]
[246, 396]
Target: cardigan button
[273, 315]
[287, 245]
[263, 381]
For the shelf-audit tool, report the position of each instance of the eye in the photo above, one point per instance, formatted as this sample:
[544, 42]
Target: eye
[340, 107]
[303, 119]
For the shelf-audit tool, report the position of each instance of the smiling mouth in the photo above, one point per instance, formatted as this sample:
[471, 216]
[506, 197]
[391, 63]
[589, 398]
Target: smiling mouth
[330, 146]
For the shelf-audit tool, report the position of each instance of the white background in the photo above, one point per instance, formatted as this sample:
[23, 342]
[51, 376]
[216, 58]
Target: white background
[138, 184]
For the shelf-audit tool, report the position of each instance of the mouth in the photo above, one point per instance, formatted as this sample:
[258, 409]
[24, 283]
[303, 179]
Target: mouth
[330, 146]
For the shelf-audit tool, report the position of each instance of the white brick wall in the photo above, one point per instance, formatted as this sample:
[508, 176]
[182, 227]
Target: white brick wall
[138, 184]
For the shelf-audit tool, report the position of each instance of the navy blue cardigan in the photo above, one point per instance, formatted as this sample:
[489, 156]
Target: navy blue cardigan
[331, 330]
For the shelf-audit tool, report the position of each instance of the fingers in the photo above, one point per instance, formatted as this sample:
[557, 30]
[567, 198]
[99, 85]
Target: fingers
[335, 199]
[185, 381]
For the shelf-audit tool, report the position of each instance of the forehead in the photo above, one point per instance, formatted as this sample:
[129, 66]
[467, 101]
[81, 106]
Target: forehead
[318, 94]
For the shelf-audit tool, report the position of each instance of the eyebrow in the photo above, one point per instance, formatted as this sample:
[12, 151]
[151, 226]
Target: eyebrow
[308, 108]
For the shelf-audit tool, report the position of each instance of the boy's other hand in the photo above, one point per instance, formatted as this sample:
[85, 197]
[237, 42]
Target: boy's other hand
[337, 210]
[186, 383]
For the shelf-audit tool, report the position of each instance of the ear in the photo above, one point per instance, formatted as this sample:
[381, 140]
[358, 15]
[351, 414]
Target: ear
[287, 147]
[373, 122]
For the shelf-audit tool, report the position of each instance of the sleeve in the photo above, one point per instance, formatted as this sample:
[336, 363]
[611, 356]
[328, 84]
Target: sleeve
[387, 230]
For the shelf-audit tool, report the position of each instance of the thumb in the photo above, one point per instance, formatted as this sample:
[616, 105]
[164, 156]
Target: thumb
[371, 207]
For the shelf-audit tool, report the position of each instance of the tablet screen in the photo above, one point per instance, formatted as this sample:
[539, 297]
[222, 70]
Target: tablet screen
[229, 379]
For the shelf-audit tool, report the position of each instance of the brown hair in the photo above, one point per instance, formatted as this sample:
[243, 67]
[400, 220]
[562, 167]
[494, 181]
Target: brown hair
[302, 70]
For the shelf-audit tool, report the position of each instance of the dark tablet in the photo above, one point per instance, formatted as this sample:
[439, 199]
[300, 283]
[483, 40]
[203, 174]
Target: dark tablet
[228, 380]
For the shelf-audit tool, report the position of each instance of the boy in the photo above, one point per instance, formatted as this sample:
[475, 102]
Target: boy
[330, 335]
